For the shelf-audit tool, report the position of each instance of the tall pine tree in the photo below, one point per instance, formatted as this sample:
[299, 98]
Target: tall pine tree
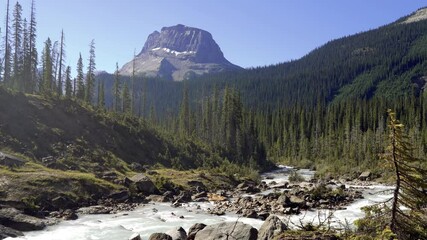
[17, 46]
[116, 90]
[126, 100]
[101, 95]
[80, 91]
[32, 49]
[7, 50]
[47, 68]
[90, 75]
[68, 84]
[61, 64]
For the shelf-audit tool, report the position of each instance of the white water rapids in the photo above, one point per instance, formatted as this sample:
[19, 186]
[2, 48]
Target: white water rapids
[152, 218]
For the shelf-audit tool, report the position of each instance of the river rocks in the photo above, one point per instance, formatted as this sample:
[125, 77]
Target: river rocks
[120, 196]
[216, 197]
[249, 213]
[63, 202]
[200, 197]
[271, 227]
[158, 198]
[67, 214]
[135, 236]
[248, 187]
[6, 232]
[194, 230]
[197, 185]
[227, 230]
[144, 184]
[177, 233]
[10, 217]
[364, 176]
[293, 199]
[97, 209]
[283, 200]
[183, 197]
[296, 201]
[159, 236]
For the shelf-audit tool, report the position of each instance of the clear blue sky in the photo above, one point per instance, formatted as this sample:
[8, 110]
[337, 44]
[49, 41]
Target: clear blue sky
[249, 32]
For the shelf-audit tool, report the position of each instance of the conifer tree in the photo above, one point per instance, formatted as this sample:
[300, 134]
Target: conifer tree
[184, 114]
[144, 99]
[55, 62]
[1, 62]
[7, 51]
[68, 84]
[132, 87]
[116, 89]
[101, 94]
[90, 76]
[25, 85]
[126, 100]
[411, 185]
[47, 68]
[60, 64]
[80, 91]
[32, 48]
[17, 46]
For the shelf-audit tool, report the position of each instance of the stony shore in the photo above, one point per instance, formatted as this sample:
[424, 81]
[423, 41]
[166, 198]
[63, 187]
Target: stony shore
[247, 199]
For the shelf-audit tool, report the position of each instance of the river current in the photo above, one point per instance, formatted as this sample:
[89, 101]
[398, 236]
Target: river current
[161, 217]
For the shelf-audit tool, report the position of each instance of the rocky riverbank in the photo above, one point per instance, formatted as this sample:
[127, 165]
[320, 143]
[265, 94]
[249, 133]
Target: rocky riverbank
[272, 227]
[40, 209]
[249, 200]
[246, 199]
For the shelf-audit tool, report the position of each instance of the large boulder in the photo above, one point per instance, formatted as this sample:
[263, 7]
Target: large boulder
[178, 233]
[271, 227]
[228, 230]
[159, 236]
[194, 230]
[144, 184]
[6, 232]
[10, 217]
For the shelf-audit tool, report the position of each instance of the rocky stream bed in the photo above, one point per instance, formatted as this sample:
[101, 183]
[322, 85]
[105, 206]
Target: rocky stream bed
[257, 207]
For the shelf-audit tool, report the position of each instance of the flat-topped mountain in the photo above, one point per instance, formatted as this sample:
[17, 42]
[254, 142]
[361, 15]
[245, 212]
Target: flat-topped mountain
[177, 53]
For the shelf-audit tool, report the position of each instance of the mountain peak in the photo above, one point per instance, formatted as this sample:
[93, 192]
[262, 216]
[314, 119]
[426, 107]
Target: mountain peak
[186, 51]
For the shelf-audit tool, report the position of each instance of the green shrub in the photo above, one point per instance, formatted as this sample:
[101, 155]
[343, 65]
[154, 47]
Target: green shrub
[296, 177]
[375, 222]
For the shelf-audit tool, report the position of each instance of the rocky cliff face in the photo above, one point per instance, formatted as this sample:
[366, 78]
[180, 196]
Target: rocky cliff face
[177, 53]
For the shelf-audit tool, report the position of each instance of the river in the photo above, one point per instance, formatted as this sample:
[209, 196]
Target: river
[157, 217]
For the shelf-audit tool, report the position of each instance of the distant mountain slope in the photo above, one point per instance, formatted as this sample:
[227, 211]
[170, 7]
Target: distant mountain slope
[387, 62]
[178, 52]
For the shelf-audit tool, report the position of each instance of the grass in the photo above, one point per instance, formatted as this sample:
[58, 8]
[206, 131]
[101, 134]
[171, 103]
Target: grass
[35, 183]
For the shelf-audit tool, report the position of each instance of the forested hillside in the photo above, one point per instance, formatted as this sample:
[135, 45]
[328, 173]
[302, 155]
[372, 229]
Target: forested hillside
[329, 106]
